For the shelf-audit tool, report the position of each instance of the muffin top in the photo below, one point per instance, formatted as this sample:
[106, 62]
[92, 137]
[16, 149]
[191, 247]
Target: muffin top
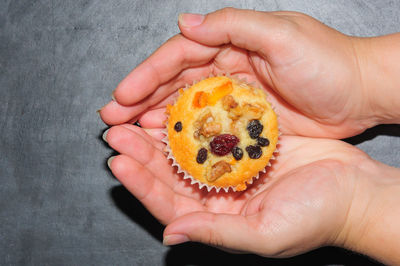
[222, 132]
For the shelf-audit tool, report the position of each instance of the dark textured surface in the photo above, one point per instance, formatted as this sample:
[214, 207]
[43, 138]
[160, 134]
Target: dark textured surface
[59, 62]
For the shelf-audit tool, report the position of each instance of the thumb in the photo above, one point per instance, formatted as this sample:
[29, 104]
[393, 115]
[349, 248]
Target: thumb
[235, 232]
[247, 29]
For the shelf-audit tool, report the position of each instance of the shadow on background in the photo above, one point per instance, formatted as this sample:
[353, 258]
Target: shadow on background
[132, 208]
[202, 255]
[381, 130]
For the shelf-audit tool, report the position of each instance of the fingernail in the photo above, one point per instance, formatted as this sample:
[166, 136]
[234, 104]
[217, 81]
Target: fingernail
[112, 96]
[170, 240]
[190, 20]
[109, 161]
[105, 135]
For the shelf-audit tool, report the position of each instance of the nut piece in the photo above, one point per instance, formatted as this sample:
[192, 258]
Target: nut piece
[218, 169]
[228, 102]
[210, 129]
[196, 134]
[253, 111]
[206, 126]
[205, 117]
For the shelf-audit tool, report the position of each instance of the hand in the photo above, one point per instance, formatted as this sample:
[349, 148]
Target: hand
[305, 200]
[310, 70]
[319, 192]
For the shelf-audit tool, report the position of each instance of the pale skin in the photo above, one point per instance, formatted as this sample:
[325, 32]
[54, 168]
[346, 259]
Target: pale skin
[323, 84]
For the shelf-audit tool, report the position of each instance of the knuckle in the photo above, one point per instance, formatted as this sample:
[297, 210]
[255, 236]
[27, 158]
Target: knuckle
[214, 239]
[227, 14]
[227, 10]
[287, 27]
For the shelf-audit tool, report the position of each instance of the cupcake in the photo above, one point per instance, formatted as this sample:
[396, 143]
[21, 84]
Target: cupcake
[221, 133]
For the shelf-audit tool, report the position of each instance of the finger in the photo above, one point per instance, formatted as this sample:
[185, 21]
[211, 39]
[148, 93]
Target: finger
[272, 35]
[157, 134]
[153, 118]
[168, 61]
[230, 231]
[132, 144]
[151, 135]
[156, 196]
[128, 142]
[114, 113]
[246, 29]
[187, 77]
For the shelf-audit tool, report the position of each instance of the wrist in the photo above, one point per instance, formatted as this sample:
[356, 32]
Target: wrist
[372, 226]
[377, 60]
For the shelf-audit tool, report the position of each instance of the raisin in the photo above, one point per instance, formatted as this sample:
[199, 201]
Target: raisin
[201, 156]
[255, 128]
[254, 152]
[237, 153]
[178, 126]
[223, 144]
[263, 142]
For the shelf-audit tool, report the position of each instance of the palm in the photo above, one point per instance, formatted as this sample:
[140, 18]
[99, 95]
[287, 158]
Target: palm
[303, 186]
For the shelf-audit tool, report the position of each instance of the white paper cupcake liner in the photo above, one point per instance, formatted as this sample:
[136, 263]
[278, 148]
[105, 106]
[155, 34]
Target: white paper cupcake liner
[186, 175]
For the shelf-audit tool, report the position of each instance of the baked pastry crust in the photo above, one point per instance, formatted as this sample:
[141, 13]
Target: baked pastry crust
[214, 96]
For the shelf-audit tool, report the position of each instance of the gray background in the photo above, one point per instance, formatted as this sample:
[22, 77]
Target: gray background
[59, 62]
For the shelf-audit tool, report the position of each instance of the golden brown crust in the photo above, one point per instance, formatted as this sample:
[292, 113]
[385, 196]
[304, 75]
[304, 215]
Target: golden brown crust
[207, 96]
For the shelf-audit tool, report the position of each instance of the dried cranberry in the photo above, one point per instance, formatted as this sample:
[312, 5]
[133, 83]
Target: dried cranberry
[263, 142]
[223, 144]
[254, 152]
[255, 128]
[178, 126]
[201, 156]
[237, 153]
